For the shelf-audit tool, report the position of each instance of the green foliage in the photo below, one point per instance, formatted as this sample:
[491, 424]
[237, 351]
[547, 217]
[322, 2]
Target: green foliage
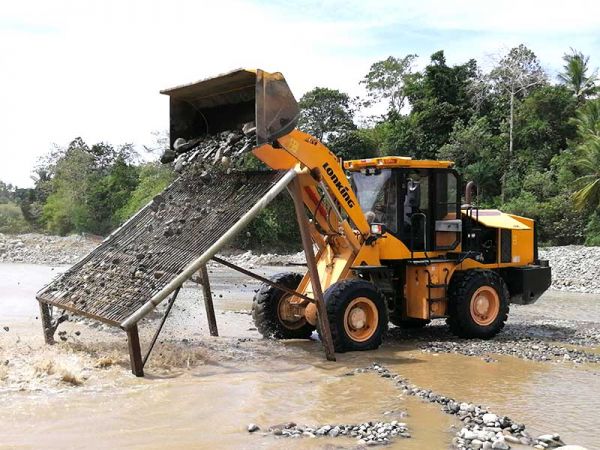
[11, 219]
[86, 187]
[439, 97]
[355, 144]
[587, 156]
[386, 80]
[542, 125]
[153, 178]
[592, 230]
[559, 223]
[275, 228]
[325, 113]
[576, 76]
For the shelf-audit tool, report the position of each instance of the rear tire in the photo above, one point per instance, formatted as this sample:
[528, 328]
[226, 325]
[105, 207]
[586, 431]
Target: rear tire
[478, 304]
[265, 310]
[357, 315]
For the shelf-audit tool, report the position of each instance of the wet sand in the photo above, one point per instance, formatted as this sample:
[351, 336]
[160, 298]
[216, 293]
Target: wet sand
[201, 392]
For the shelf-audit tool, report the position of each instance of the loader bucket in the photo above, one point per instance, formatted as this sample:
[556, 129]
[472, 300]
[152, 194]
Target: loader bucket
[227, 101]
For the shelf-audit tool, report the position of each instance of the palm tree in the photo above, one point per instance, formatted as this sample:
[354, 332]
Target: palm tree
[587, 121]
[575, 75]
[588, 162]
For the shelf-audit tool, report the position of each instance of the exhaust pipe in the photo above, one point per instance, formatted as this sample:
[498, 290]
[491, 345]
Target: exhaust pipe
[471, 186]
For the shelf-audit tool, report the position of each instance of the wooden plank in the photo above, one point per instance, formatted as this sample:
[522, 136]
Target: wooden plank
[208, 301]
[47, 327]
[304, 226]
[135, 352]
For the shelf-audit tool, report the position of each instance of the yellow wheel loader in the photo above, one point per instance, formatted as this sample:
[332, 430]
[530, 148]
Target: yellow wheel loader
[393, 241]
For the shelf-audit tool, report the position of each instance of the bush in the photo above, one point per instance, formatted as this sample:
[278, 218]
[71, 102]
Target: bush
[592, 231]
[274, 230]
[12, 220]
[558, 222]
[153, 178]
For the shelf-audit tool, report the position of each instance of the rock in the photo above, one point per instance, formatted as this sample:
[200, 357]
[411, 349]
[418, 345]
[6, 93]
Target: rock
[552, 440]
[168, 156]
[571, 447]
[489, 418]
[253, 427]
[511, 439]
[468, 434]
[476, 444]
[500, 444]
[6, 329]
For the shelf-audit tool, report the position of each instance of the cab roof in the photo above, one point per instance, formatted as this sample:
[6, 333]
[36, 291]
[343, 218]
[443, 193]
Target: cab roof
[393, 162]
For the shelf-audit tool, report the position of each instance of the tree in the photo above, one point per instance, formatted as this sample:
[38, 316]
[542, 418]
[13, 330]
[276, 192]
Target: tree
[439, 98]
[86, 186]
[386, 80]
[325, 113]
[515, 75]
[354, 144]
[543, 127]
[587, 163]
[576, 77]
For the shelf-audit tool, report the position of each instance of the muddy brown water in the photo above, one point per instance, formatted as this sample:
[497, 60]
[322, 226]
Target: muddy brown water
[201, 392]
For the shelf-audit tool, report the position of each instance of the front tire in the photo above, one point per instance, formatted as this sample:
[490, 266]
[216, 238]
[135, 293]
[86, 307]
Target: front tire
[478, 304]
[357, 315]
[267, 305]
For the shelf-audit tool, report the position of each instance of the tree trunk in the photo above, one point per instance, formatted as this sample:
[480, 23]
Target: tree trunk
[510, 133]
[510, 144]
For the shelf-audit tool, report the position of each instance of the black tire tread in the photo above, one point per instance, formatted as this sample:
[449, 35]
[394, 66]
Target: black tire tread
[264, 309]
[334, 297]
[459, 320]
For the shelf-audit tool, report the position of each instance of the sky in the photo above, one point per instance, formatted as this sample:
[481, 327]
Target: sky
[94, 69]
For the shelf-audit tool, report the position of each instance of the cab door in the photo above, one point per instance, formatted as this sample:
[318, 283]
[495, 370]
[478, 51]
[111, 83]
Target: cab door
[447, 223]
[429, 209]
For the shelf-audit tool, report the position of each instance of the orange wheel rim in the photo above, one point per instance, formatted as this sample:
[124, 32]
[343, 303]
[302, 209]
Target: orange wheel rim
[485, 305]
[360, 319]
[285, 310]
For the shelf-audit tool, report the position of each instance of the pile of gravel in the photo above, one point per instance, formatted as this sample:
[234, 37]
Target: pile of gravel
[368, 433]
[575, 268]
[249, 259]
[534, 340]
[36, 248]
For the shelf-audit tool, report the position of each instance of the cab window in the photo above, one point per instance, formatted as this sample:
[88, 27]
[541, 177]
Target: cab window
[377, 193]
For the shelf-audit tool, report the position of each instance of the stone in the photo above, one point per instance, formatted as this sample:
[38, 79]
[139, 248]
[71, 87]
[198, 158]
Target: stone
[489, 418]
[500, 444]
[253, 427]
[467, 434]
[571, 447]
[476, 444]
[511, 439]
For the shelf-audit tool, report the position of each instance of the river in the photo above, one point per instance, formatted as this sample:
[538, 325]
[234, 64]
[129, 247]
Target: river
[201, 392]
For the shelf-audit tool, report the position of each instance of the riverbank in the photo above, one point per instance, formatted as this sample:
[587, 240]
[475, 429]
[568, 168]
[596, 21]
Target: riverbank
[575, 268]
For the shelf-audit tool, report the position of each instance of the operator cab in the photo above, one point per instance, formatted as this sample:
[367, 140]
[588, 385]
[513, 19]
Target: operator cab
[416, 201]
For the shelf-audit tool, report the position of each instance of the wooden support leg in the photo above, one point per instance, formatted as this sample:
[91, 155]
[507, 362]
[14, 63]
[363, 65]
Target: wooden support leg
[304, 227]
[135, 352]
[208, 302]
[47, 327]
